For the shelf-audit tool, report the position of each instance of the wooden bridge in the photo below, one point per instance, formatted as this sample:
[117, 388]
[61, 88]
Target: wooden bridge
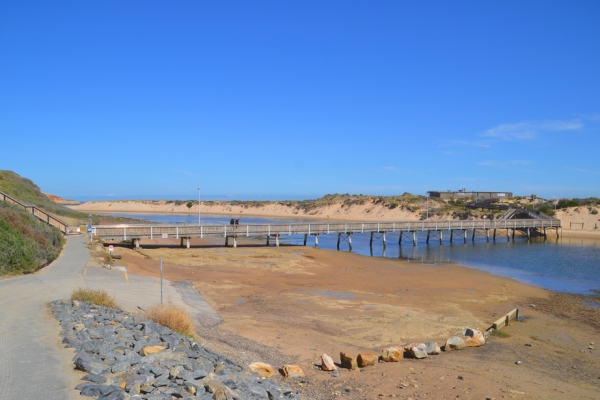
[344, 230]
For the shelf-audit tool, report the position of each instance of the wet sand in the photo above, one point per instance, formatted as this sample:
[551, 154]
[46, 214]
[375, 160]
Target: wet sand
[291, 304]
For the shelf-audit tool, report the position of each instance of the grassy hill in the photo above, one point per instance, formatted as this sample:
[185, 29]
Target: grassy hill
[26, 243]
[28, 192]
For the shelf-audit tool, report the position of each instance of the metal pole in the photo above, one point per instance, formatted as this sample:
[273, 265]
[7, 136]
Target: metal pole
[161, 283]
[198, 206]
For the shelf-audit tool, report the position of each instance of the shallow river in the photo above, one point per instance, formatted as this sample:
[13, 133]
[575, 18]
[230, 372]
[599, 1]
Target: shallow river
[564, 264]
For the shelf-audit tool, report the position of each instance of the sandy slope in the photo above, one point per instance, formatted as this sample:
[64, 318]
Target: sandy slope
[577, 221]
[334, 211]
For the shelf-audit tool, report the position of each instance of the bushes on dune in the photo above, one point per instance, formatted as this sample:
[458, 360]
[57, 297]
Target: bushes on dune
[28, 192]
[26, 244]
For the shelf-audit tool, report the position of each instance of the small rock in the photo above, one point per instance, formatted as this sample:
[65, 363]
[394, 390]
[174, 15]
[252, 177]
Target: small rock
[263, 369]
[432, 348]
[291, 371]
[473, 338]
[518, 362]
[454, 343]
[532, 305]
[528, 344]
[348, 361]
[419, 351]
[152, 349]
[366, 359]
[392, 354]
[335, 373]
[327, 363]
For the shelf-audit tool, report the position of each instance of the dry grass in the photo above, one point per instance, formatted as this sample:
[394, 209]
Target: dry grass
[172, 317]
[97, 297]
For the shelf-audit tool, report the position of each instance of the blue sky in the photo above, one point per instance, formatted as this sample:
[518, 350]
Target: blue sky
[297, 99]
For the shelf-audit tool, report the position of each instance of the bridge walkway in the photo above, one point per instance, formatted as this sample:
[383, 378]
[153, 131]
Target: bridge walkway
[344, 230]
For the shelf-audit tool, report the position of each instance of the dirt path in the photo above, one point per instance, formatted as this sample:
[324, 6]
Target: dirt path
[292, 304]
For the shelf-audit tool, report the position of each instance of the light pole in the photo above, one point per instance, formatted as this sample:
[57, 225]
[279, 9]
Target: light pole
[198, 206]
[427, 206]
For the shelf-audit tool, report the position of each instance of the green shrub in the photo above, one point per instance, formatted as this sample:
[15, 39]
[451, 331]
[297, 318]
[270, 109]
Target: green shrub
[26, 191]
[499, 333]
[546, 209]
[26, 244]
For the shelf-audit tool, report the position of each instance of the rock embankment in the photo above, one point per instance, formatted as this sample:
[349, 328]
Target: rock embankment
[126, 357]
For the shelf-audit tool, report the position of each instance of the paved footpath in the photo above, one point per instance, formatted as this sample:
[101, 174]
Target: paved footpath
[33, 361]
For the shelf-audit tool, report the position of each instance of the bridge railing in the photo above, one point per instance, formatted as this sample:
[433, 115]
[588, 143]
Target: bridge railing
[177, 231]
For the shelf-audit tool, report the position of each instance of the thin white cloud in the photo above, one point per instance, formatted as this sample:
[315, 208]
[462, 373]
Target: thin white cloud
[594, 117]
[585, 171]
[503, 164]
[467, 143]
[530, 130]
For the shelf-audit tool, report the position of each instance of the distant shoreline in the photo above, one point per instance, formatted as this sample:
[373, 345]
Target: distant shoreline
[333, 212]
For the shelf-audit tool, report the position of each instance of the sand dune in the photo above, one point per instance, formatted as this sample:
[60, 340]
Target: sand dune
[577, 221]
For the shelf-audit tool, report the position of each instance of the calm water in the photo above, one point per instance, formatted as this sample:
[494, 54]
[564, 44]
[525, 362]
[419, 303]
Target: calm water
[565, 264]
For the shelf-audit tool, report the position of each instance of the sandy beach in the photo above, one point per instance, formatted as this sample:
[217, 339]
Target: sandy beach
[291, 304]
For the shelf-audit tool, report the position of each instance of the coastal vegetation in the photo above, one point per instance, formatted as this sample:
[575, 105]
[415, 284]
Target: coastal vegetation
[97, 297]
[173, 317]
[28, 192]
[26, 243]
[361, 206]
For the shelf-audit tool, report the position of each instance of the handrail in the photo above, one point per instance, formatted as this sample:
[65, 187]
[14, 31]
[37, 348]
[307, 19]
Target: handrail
[38, 213]
[145, 230]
